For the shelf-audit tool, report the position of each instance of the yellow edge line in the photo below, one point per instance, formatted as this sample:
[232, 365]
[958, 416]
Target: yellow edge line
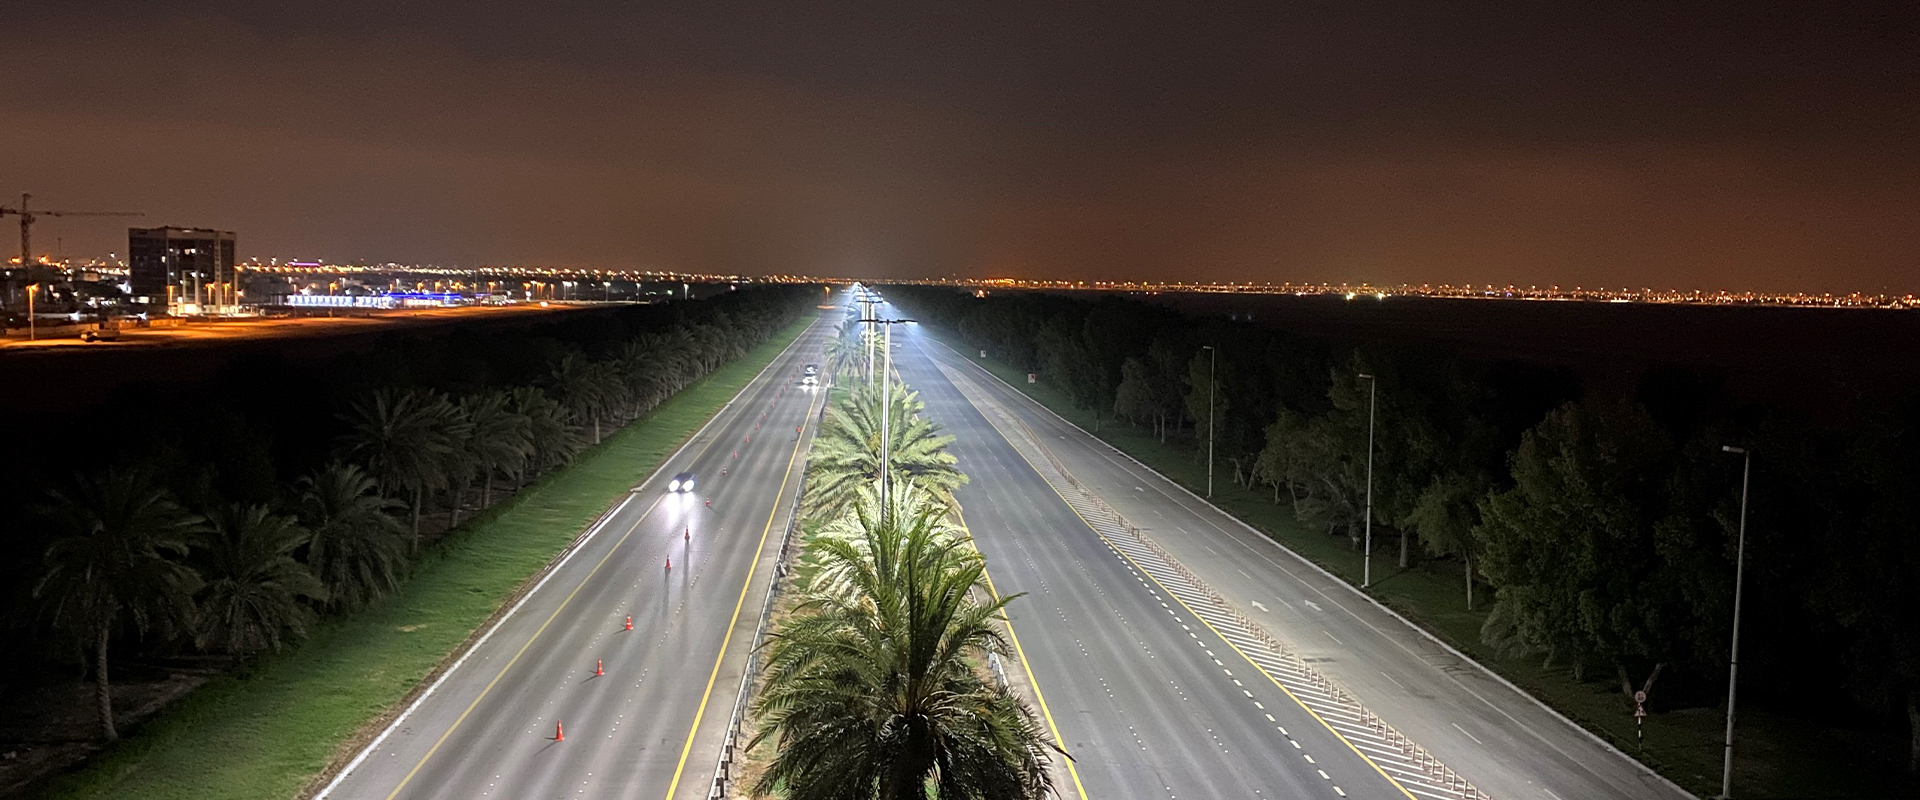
[550, 618]
[522, 651]
[1198, 618]
[737, 605]
[1037, 694]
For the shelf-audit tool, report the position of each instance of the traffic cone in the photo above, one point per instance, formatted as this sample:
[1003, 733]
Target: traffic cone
[629, 622]
[559, 733]
[689, 534]
[669, 562]
[598, 671]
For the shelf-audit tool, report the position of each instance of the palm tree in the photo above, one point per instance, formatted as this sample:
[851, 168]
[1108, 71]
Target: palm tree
[499, 440]
[120, 538]
[586, 388]
[358, 545]
[406, 440]
[875, 686]
[847, 452]
[844, 353]
[254, 587]
[556, 439]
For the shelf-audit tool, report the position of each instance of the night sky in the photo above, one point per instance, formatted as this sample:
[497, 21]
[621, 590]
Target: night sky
[1740, 145]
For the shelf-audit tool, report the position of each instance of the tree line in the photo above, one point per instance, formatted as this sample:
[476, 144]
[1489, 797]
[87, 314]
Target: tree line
[155, 554]
[876, 682]
[1596, 530]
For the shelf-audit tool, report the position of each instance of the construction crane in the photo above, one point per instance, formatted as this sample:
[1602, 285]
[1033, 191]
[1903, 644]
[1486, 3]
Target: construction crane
[27, 217]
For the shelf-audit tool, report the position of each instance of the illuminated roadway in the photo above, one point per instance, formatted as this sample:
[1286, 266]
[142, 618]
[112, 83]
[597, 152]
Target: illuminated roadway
[1149, 716]
[1150, 703]
[487, 730]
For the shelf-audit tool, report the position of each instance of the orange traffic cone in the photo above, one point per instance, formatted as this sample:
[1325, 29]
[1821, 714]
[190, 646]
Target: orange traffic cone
[689, 534]
[598, 672]
[559, 733]
[669, 562]
[629, 622]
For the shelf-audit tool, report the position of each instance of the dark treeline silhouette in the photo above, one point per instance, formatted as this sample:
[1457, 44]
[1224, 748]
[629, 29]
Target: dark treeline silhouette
[1596, 527]
[223, 515]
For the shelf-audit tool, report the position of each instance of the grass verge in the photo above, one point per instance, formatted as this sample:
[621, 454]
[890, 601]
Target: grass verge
[1776, 756]
[266, 731]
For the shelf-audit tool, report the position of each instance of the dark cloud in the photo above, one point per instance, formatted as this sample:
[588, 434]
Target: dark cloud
[1716, 145]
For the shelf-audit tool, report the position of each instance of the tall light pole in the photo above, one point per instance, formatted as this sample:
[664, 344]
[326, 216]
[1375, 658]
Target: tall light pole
[1739, 584]
[1213, 358]
[32, 330]
[886, 410]
[1366, 566]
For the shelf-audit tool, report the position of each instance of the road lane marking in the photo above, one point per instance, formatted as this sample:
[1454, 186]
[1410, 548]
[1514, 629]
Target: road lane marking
[1031, 681]
[1183, 604]
[757, 378]
[522, 651]
[752, 566]
[1201, 513]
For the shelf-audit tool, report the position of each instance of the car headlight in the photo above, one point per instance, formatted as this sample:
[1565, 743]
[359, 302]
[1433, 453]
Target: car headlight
[673, 486]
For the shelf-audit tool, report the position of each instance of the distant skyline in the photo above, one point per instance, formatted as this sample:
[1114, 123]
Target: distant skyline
[1719, 145]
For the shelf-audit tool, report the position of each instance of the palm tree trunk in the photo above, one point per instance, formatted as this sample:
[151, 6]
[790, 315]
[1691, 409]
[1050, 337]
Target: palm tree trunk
[459, 496]
[415, 547]
[102, 690]
[1404, 537]
[1469, 560]
[486, 491]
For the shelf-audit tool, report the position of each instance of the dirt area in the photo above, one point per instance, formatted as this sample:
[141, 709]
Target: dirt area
[55, 726]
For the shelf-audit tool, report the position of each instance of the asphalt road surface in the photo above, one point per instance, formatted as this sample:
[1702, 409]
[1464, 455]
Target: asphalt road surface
[1147, 715]
[652, 725]
[1150, 702]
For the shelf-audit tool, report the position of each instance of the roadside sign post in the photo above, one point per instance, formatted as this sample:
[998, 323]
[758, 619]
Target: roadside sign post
[1640, 719]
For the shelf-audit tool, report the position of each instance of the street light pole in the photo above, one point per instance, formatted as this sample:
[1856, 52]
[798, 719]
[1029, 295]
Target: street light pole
[1366, 567]
[1739, 585]
[1213, 357]
[886, 411]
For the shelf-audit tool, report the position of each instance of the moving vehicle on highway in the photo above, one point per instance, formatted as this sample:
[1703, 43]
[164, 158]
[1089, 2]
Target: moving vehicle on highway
[811, 376]
[682, 482]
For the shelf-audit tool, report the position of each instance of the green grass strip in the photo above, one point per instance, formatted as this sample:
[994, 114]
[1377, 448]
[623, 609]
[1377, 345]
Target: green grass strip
[1776, 756]
[267, 731]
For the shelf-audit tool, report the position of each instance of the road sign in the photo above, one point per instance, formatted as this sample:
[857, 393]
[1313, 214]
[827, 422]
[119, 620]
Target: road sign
[1640, 696]
[1031, 378]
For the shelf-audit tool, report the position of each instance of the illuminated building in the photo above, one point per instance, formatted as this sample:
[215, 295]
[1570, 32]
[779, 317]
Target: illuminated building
[189, 270]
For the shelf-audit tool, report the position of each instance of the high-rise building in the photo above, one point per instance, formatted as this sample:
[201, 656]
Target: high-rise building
[189, 270]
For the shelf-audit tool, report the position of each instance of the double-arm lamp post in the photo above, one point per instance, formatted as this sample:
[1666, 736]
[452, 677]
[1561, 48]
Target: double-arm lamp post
[886, 408]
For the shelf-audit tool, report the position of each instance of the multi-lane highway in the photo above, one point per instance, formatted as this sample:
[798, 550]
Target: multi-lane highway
[651, 726]
[1150, 702]
[1156, 695]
